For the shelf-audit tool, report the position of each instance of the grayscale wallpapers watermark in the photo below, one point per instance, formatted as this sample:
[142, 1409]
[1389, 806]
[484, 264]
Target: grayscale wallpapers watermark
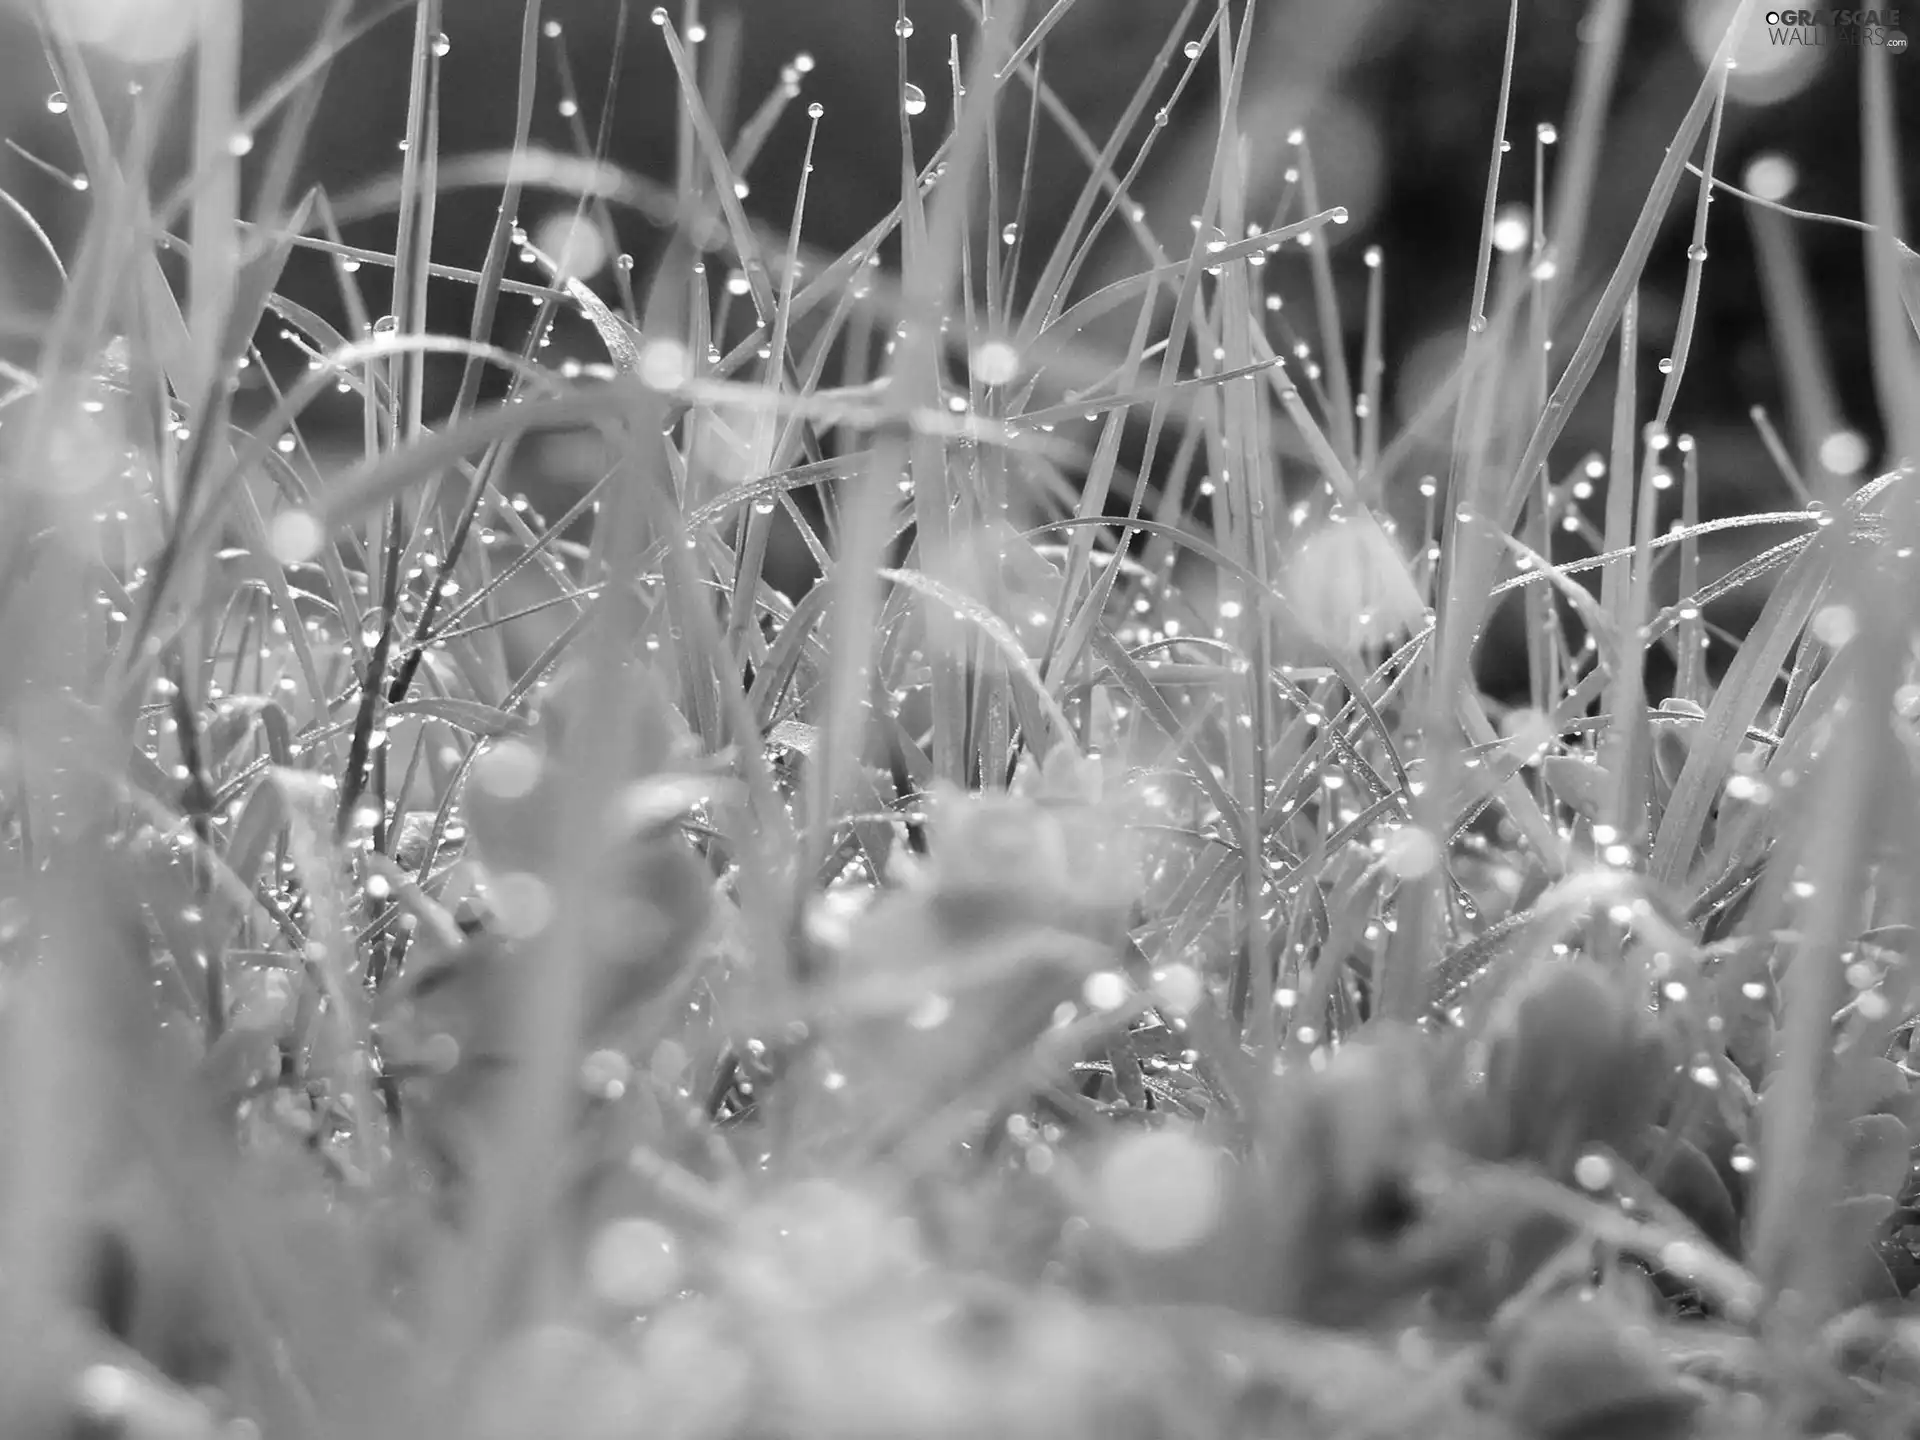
[1837, 27]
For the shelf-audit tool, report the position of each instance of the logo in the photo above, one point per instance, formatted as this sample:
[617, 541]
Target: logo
[1837, 27]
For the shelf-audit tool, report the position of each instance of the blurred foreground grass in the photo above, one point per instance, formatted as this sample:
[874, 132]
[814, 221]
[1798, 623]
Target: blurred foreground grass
[1093, 964]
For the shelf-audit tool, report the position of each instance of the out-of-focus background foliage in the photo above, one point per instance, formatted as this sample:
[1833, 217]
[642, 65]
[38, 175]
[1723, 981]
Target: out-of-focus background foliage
[1394, 96]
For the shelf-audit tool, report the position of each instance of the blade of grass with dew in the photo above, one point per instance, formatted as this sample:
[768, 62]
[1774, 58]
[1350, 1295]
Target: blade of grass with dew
[1626, 274]
[1602, 32]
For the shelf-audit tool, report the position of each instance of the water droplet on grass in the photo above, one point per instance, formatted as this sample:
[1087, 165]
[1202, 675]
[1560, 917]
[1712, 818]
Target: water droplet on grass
[522, 904]
[995, 362]
[1835, 625]
[442, 46]
[1161, 1191]
[1410, 852]
[295, 537]
[1192, 50]
[1844, 452]
[1593, 1172]
[913, 100]
[665, 364]
[931, 1013]
[508, 769]
[903, 27]
[1179, 988]
[634, 1263]
[57, 103]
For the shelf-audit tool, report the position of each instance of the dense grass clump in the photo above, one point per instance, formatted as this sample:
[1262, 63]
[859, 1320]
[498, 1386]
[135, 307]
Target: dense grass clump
[1091, 962]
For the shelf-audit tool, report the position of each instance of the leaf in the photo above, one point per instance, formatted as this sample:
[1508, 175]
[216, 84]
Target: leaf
[1579, 1368]
[1742, 692]
[1878, 1156]
[1581, 785]
[1688, 1179]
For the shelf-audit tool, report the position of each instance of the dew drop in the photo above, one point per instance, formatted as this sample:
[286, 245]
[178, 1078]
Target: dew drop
[903, 27]
[1593, 1172]
[1410, 852]
[931, 1013]
[1696, 252]
[240, 144]
[1009, 233]
[659, 16]
[1835, 625]
[995, 362]
[665, 365]
[1192, 50]
[569, 108]
[1844, 452]
[1160, 1191]
[634, 1263]
[522, 904]
[1545, 134]
[816, 110]
[1666, 365]
[1179, 988]
[913, 100]
[295, 537]
[1771, 176]
[442, 46]
[57, 103]
[1105, 990]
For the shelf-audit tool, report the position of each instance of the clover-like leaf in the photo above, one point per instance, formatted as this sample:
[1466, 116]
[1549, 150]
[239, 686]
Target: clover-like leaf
[1580, 1368]
[1878, 1156]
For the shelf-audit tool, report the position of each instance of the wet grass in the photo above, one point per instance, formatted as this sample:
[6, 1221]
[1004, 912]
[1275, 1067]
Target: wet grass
[1092, 962]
